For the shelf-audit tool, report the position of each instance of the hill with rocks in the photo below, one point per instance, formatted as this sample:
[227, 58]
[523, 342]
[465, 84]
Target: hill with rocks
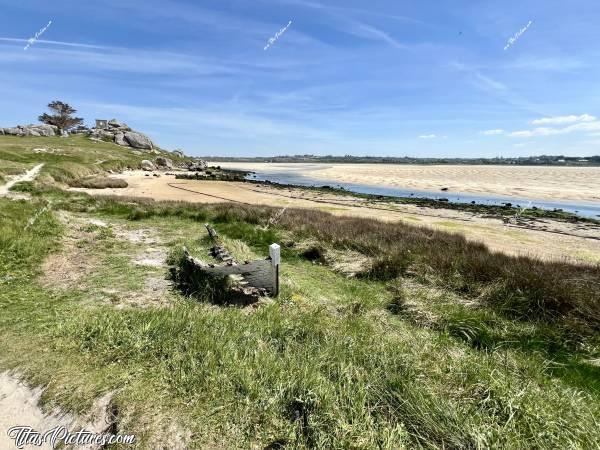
[115, 131]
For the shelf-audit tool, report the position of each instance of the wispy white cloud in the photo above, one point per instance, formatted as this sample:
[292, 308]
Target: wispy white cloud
[350, 10]
[490, 82]
[549, 131]
[121, 59]
[561, 63]
[344, 20]
[214, 120]
[59, 43]
[494, 87]
[560, 120]
[492, 132]
[370, 32]
[427, 136]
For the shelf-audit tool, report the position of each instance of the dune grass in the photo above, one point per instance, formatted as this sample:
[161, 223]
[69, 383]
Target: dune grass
[393, 359]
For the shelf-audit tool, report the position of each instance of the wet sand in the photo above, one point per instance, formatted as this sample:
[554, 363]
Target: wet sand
[543, 183]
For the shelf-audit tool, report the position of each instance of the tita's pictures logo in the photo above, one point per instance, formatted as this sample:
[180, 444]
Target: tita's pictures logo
[25, 435]
[279, 33]
[32, 40]
[517, 35]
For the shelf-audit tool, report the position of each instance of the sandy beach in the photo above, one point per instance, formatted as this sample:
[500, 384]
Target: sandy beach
[576, 242]
[543, 183]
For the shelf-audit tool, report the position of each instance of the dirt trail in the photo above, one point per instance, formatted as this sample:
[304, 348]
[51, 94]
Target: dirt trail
[19, 406]
[27, 176]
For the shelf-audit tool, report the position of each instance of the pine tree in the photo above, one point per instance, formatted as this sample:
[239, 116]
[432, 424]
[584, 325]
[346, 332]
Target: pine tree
[62, 116]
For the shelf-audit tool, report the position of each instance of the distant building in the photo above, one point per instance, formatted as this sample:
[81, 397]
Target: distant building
[101, 124]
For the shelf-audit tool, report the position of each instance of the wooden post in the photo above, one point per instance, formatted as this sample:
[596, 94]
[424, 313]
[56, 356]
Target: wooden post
[275, 254]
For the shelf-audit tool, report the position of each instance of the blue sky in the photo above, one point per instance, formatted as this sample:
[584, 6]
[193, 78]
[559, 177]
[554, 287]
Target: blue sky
[418, 78]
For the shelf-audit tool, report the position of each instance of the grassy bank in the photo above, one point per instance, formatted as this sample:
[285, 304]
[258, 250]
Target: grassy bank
[67, 160]
[437, 343]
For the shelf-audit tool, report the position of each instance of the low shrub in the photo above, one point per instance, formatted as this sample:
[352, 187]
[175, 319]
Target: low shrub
[99, 183]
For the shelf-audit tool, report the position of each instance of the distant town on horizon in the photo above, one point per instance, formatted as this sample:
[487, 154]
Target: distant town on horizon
[542, 160]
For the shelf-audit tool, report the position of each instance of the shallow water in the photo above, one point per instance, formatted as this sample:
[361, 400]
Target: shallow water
[584, 209]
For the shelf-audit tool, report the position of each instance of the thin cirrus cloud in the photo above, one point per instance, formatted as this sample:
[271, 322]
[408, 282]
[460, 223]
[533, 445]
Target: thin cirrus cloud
[582, 123]
[59, 43]
[427, 136]
[564, 119]
[121, 59]
[343, 21]
[492, 132]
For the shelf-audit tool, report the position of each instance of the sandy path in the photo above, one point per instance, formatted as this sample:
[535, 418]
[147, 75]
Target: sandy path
[27, 176]
[541, 183]
[19, 407]
[577, 242]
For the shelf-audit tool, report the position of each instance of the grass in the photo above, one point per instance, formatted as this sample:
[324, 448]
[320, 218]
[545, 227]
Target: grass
[327, 365]
[518, 286]
[438, 343]
[68, 159]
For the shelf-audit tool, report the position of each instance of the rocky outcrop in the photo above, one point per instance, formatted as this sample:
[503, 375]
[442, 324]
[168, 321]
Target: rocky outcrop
[31, 130]
[164, 163]
[197, 165]
[138, 140]
[121, 134]
[147, 165]
[120, 139]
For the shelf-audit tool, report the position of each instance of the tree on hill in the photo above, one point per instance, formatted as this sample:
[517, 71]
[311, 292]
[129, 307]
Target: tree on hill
[61, 117]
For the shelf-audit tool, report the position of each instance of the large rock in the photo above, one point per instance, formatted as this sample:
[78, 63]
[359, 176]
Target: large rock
[104, 135]
[14, 131]
[164, 163]
[147, 165]
[45, 129]
[31, 130]
[197, 165]
[179, 153]
[120, 139]
[138, 140]
[115, 125]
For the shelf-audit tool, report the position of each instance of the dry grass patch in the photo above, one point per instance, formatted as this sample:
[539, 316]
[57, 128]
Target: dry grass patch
[66, 268]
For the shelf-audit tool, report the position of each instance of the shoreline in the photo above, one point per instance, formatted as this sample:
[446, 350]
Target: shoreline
[575, 239]
[501, 211]
[561, 192]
